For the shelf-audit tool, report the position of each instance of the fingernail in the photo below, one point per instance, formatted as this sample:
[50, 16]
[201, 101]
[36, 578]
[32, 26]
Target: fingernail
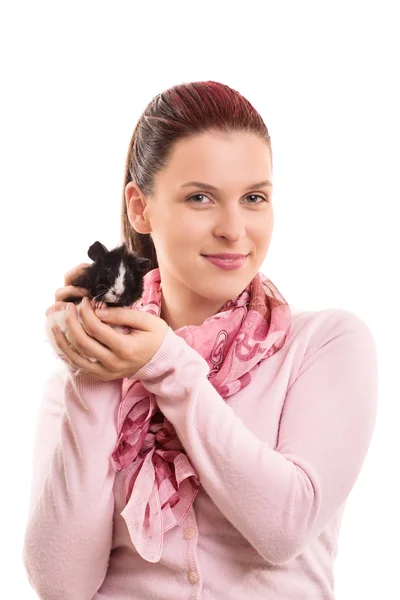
[55, 330]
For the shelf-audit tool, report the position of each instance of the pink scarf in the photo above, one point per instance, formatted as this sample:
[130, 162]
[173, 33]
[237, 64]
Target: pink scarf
[160, 483]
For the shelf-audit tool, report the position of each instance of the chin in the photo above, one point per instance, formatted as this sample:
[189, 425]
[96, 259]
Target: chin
[225, 290]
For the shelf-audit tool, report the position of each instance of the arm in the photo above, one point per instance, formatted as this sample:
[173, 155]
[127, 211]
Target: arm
[69, 530]
[278, 499]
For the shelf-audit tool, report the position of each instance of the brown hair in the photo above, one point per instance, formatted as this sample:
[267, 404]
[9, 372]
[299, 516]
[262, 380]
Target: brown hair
[177, 113]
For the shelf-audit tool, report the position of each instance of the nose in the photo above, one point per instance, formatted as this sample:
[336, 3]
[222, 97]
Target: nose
[230, 224]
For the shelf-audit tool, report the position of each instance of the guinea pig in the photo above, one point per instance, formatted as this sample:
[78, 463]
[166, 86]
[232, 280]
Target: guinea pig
[114, 279]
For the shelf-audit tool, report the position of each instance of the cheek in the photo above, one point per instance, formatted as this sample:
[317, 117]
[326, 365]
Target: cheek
[260, 230]
[183, 235]
[172, 244]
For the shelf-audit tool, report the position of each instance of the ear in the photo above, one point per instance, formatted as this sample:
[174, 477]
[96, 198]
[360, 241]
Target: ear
[144, 264]
[137, 263]
[97, 250]
[136, 207]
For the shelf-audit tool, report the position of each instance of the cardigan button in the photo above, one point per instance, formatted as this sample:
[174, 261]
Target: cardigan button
[192, 577]
[189, 533]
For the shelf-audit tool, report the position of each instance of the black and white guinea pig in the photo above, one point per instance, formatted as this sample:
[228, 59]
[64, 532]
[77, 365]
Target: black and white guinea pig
[114, 279]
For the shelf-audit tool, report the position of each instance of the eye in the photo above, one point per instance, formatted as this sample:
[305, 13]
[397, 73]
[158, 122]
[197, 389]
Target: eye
[249, 196]
[257, 196]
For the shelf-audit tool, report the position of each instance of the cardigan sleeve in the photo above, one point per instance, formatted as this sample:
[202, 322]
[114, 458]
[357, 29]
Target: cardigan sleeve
[68, 533]
[278, 499]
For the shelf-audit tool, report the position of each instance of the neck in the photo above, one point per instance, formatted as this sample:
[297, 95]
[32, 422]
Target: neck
[177, 318]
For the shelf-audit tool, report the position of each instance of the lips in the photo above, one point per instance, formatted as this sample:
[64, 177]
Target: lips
[228, 264]
[226, 255]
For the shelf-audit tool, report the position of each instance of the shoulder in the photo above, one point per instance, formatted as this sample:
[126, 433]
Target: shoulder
[337, 327]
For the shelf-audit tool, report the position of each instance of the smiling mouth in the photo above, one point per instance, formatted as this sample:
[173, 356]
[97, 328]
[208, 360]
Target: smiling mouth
[226, 256]
[226, 263]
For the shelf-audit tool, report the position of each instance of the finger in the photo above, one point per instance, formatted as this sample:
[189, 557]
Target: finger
[113, 342]
[70, 290]
[136, 322]
[75, 272]
[75, 359]
[82, 336]
[133, 318]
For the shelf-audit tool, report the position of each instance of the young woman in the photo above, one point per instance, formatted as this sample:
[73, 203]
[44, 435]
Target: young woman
[210, 453]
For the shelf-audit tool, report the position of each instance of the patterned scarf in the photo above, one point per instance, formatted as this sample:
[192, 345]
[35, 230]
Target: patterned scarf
[160, 483]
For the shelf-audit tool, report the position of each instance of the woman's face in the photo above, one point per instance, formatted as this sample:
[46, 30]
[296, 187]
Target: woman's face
[189, 220]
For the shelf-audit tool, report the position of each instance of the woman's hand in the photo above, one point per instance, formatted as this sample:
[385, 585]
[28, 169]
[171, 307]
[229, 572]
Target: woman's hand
[71, 290]
[65, 292]
[118, 355]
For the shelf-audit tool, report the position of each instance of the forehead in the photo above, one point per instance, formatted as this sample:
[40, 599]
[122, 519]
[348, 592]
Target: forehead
[219, 159]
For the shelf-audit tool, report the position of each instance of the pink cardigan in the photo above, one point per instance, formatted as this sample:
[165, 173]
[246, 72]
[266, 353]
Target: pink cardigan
[276, 462]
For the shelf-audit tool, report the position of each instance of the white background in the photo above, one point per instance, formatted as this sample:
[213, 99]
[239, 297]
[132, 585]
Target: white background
[75, 78]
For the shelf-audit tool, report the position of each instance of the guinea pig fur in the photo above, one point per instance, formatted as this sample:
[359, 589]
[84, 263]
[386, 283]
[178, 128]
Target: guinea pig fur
[115, 278]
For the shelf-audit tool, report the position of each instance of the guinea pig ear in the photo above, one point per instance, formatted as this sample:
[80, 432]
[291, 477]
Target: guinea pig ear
[144, 264]
[97, 250]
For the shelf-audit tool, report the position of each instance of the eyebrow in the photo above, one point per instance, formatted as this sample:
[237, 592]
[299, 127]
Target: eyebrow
[213, 188]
